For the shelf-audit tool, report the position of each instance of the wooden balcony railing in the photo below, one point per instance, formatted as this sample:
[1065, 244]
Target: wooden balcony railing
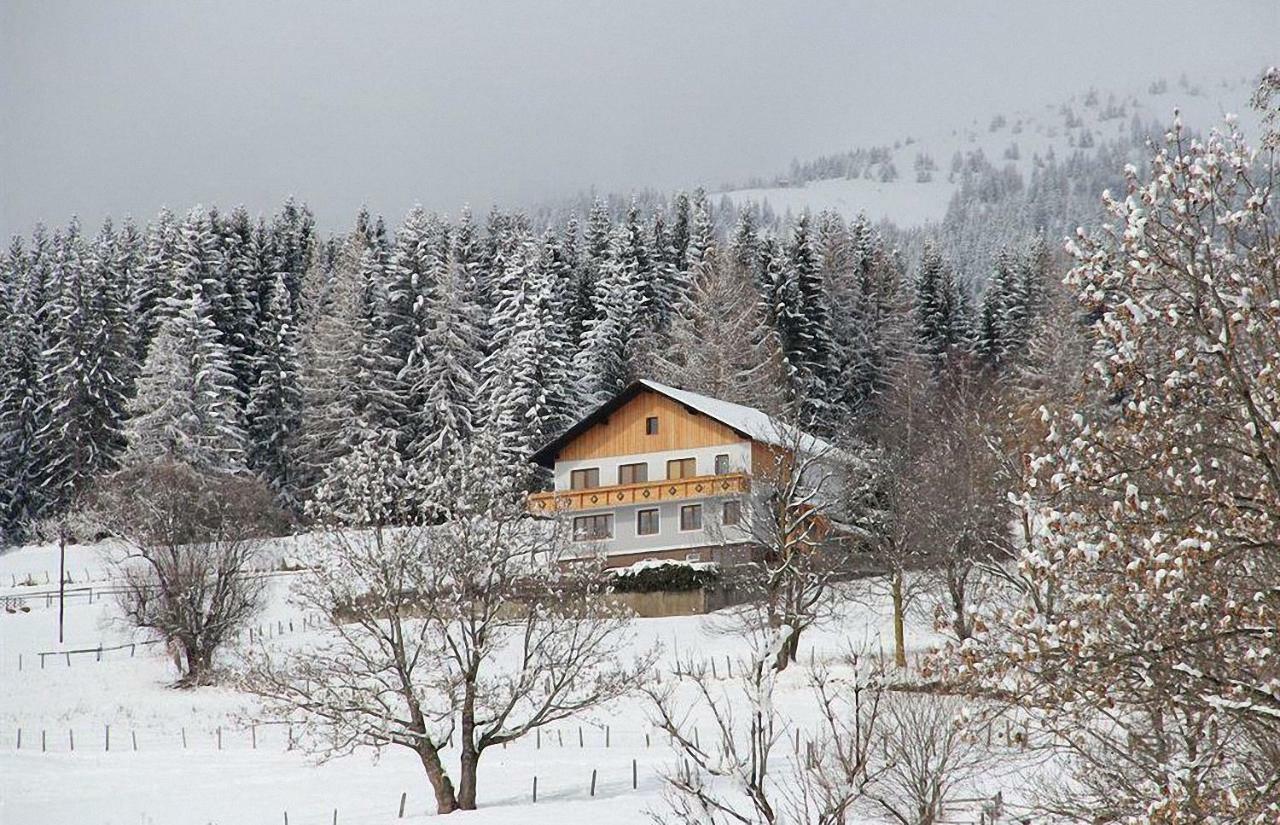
[645, 492]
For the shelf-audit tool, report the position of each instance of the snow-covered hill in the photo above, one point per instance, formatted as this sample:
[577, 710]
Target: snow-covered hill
[912, 181]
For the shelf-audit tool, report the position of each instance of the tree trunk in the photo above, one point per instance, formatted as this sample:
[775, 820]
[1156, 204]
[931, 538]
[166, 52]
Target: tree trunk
[899, 632]
[467, 777]
[470, 758]
[446, 802]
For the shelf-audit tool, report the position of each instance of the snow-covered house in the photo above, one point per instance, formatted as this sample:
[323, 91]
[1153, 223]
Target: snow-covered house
[663, 473]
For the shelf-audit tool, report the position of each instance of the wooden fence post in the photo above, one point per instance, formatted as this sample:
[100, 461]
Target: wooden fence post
[403, 794]
[134, 735]
[635, 775]
[535, 787]
[593, 781]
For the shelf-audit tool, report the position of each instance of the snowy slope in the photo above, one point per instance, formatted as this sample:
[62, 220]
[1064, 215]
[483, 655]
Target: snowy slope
[1093, 116]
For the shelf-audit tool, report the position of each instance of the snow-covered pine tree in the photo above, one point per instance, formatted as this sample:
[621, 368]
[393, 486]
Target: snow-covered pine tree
[273, 411]
[809, 349]
[681, 232]
[293, 246]
[744, 247]
[940, 322]
[781, 325]
[867, 321]
[449, 380]
[14, 325]
[330, 360]
[605, 361]
[186, 408]
[558, 276]
[630, 250]
[81, 434]
[667, 287]
[244, 278]
[1001, 315]
[701, 252]
[153, 285]
[526, 377]
[24, 394]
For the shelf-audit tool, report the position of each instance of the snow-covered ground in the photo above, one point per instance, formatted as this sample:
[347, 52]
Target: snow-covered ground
[105, 740]
[1061, 128]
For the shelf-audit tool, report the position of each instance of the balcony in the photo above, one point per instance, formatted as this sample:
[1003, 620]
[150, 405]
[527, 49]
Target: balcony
[645, 492]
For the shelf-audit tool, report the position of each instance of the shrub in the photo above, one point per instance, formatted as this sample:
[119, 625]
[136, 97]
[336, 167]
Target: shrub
[666, 576]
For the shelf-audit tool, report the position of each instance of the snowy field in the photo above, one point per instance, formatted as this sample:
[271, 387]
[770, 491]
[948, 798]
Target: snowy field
[105, 740]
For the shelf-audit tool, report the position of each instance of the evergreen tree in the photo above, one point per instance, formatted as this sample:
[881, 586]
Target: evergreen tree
[606, 360]
[153, 286]
[274, 407]
[448, 382]
[186, 408]
[940, 321]
[701, 251]
[681, 233]
[81, 436]
[744, 248]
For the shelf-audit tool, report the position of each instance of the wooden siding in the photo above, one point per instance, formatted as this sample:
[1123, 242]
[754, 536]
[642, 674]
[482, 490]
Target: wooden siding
[642, 493]
[624, 431]
[766, 460]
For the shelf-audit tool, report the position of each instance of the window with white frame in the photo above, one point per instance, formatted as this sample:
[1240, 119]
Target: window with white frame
[691, 517]
[593, 528]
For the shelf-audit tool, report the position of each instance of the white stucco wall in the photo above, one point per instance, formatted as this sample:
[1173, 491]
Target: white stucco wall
[739, 461]
[669, 535]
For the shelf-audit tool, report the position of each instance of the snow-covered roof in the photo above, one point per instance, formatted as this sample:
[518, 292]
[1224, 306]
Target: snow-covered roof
[759, 425]
[750, 422]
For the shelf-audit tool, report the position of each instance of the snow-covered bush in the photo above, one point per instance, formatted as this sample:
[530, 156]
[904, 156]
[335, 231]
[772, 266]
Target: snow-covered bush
[666, 576]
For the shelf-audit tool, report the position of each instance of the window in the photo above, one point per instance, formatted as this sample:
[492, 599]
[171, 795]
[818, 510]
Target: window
[633, 473]
[682, 468]
[651, 425]
[593, 528]
[722, 464]
[731, 513]
[647, 523]
[691, 517]
[584, 479]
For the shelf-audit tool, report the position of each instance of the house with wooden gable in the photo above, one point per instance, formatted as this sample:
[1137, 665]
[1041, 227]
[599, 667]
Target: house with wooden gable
[663, 473]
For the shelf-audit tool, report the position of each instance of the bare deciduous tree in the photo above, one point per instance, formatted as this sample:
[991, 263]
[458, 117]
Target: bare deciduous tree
[191, 539]
[927, 754]
[810, 506]
[469, 629]
[739, 775]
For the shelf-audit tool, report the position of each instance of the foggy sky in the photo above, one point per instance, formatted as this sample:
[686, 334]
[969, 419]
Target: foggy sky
[117, 107]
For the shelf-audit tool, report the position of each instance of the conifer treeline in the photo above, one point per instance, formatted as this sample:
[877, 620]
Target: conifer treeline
[247, 346]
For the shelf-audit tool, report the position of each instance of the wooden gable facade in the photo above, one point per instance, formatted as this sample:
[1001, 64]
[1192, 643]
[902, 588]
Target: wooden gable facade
[623, 431]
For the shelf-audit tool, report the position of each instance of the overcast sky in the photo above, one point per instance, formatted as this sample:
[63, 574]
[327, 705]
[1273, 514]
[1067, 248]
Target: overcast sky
[114, 107]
